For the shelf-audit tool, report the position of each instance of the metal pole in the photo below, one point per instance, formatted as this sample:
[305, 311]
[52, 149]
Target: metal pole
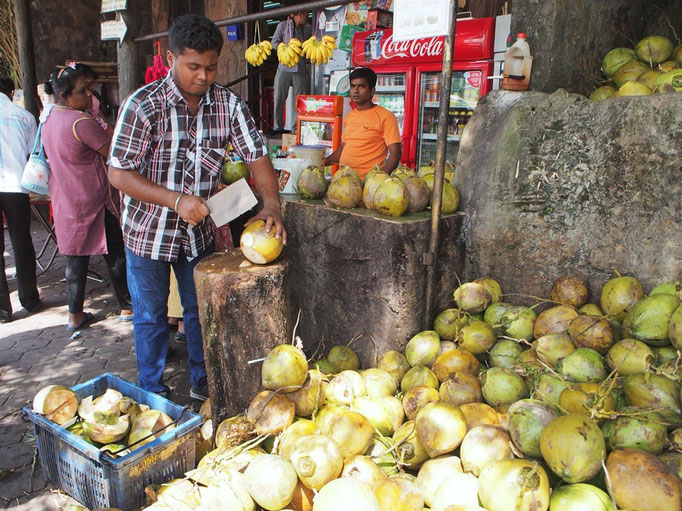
[22, 14]
[430, 258]
[256, 16]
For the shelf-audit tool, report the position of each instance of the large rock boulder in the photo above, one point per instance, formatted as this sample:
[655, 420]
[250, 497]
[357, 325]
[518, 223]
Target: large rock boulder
[555, 184]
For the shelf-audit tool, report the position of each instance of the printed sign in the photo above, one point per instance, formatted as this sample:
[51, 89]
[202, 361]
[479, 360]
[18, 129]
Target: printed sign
[114, 5]
[114, 30]
[416, 18]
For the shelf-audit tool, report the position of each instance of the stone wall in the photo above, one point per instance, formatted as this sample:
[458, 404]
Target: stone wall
[555, 184]
[569, 38]
[67, 30]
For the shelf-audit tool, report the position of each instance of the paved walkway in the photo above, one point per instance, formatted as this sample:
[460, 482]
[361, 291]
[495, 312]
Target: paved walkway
[36, 350]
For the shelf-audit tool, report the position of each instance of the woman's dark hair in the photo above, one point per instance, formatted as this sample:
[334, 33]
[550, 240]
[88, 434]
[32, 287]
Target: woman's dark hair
[194, 32]
[63, 80]
[6, 85]
[366, 73]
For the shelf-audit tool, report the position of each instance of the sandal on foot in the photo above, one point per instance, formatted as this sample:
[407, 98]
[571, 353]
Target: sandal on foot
[87, 318]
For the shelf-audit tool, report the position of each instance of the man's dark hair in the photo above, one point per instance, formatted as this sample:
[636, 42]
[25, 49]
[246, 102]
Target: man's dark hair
[6, 85]
[366, 73]
[194, 32]
[63, 79]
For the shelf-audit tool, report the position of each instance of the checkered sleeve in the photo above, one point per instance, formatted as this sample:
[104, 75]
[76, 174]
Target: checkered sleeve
[132, 136]
[244, 135]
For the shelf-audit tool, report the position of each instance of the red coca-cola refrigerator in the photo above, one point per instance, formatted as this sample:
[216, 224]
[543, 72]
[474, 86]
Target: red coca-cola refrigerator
[409, 82]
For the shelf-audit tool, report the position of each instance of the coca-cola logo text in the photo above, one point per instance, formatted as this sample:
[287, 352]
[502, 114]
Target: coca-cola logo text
[414, 48]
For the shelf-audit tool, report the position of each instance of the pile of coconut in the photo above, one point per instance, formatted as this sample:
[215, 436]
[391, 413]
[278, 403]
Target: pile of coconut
[653, 66]
[558, 404]
[405, 191]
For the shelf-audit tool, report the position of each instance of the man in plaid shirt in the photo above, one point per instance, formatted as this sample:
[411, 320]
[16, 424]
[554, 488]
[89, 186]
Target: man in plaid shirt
[166, 157]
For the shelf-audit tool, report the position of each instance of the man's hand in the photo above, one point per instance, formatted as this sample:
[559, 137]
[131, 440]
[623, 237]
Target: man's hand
[192, 209]
[271, 215]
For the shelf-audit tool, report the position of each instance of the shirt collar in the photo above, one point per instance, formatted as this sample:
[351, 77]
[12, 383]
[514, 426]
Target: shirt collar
[174, 95]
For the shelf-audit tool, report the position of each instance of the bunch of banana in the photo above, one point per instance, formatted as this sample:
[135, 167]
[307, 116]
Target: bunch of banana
[289, 53]
[319, 51]
[256, 54]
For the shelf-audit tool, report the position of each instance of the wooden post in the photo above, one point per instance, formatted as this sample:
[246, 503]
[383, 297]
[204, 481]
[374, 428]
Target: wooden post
[244, 313]
[129, 62]
[22, 15]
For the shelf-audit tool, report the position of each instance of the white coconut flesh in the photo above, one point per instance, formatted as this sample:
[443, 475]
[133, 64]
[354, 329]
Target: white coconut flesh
[57, 403]
[107, 433]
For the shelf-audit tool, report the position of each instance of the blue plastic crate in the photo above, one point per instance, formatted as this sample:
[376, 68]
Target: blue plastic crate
[97, 480]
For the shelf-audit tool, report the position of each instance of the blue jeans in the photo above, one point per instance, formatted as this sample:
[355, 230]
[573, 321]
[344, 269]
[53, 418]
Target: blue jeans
[149, 281]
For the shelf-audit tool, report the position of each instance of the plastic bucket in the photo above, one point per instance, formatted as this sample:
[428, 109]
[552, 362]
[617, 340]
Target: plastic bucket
[314, 153]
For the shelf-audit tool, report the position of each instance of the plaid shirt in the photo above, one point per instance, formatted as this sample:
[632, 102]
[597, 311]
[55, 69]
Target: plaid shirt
[157, 136]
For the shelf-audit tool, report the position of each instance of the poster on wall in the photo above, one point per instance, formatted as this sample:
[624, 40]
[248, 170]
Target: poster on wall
[415, 19]
[356, 13]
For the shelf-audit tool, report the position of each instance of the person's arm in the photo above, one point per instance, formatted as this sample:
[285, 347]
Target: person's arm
[335, 156]
[395, 152]
[266, 183]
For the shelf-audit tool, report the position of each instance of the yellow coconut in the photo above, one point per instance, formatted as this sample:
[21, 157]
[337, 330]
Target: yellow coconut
[258, 245]
[57, 403]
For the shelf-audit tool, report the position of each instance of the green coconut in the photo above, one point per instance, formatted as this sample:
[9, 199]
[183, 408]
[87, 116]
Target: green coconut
[418, 192]
[629, 72]
[614, 59]
[675, 328]
[580, 497]
[501, 386]
[669, 82]
[619, 295]
[494, 312]
[554, 320]
[372, 182]
[592, 332]
[345, 171]
[505, 353]
[454, 361]
[518, 485]
[403, 172]
[416, 397]
[391, 197]
[638, 428]
[528, 418]
[552, 348]
[234, 171]
[664, 354]
[343, 358]
[654, 49]
[673, 288]
[409, 449]
[633, 88]
[477, 337]
[673, 460]
[602, 93]
[573, 446]
[472, 297]
[450, 197]
[668, 65]
[311, 183]
[591, 309]
[492, 286]
[449, 322]
[419, 376]
[549, 388]
[648, 78]
[649, 319]
[394, 363]
[630, 356]
[518, 322]
[584, 365]
[345, 192]
[325, 366]
[422, 348]
[440, 428]
[569, 290]
[460, 389]
[285, 368]
[654, 391]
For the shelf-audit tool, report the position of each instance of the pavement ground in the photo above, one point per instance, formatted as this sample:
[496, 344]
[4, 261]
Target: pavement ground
[36, 350]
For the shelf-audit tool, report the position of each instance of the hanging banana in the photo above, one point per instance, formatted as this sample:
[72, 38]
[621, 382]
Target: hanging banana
[319, 51]
[289, 53]
[258, 53]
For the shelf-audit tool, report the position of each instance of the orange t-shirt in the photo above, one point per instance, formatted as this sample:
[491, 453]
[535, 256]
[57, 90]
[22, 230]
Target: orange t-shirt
[367, 135]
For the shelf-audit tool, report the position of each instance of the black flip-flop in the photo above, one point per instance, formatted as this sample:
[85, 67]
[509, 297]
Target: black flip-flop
[88, 317]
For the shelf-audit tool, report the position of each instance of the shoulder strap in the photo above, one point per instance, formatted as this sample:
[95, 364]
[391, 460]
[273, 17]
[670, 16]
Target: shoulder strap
[74, 127]
[38, 142]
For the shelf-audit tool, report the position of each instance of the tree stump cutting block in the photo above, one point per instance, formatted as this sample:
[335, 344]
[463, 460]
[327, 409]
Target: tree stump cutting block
[244, 313]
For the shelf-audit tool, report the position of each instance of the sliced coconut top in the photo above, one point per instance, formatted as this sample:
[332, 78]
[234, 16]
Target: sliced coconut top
[57, 403]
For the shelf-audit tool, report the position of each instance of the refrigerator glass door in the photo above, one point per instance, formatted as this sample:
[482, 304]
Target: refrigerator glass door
[390, 93]
[318, 133]
[464, 94]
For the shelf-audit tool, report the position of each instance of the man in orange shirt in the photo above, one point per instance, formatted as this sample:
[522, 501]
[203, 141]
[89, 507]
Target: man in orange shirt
[370, 132]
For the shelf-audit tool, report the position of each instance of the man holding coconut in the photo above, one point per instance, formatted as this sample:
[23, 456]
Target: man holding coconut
[166, 158]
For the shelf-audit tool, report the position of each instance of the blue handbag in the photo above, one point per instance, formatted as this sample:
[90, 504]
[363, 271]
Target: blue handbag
[36, 175]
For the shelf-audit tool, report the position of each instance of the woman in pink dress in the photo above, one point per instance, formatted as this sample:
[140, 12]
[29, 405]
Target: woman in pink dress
[85, 206]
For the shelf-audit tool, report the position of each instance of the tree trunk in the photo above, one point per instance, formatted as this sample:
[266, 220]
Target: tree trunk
[244, 313]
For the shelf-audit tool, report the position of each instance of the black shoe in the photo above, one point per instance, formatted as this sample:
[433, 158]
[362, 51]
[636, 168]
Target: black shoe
[36, 306]
[199, 392]
[180, 337]
[5, 317]
[164, 393]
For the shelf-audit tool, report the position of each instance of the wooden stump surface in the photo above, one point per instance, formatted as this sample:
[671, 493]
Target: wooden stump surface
[244, 312]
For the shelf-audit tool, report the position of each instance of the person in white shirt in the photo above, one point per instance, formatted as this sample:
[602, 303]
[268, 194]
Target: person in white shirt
[17, 134]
